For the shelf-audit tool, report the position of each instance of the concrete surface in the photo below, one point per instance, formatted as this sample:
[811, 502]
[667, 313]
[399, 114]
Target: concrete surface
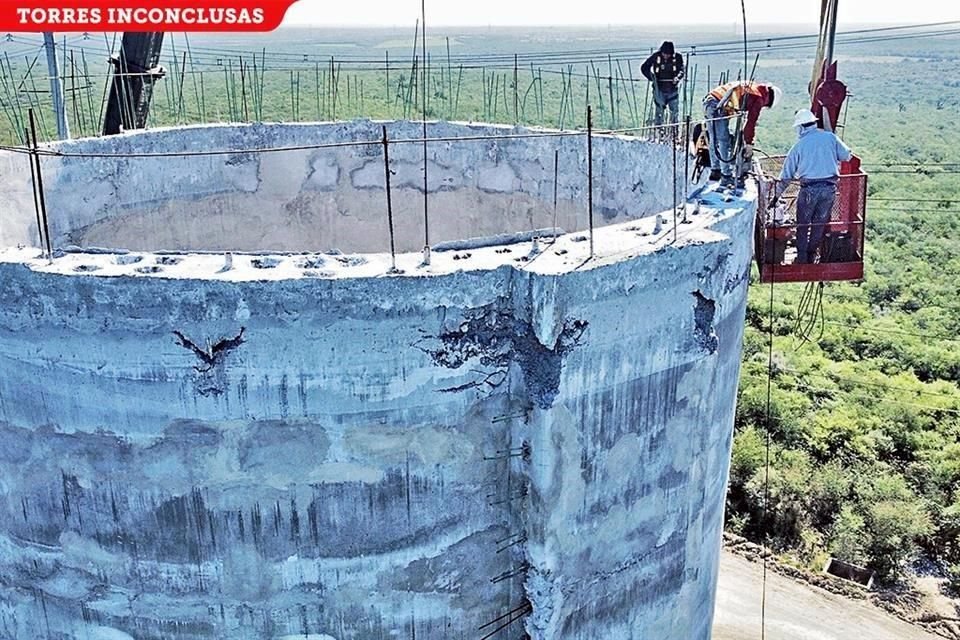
[314, 445]
[326, 198]
[796, 611]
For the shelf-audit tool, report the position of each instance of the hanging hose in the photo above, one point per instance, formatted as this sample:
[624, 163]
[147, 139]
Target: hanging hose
[809, 313]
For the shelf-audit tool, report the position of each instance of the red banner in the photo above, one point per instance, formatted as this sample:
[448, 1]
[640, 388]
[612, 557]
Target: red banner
[141, 15]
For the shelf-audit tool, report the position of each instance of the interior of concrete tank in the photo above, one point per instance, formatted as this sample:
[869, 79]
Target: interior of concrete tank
[322, 187]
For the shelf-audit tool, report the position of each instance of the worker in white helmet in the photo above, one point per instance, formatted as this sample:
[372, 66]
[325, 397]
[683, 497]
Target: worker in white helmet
[814, 160]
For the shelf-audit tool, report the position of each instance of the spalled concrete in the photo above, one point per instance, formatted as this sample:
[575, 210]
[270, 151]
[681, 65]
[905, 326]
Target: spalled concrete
[271, 446]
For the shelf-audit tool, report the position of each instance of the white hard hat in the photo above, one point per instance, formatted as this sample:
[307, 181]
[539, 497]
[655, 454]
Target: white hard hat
[777, 94]
[803, 117]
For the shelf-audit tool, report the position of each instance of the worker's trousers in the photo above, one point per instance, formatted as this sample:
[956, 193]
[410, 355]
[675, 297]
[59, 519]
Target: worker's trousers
[663, 101]
[718, 130]
[814, 206]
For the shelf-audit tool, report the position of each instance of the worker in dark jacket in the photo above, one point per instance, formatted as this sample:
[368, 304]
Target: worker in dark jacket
[665, 70]
[726, 102]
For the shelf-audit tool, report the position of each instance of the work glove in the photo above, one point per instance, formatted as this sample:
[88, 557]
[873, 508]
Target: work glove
[748, 153]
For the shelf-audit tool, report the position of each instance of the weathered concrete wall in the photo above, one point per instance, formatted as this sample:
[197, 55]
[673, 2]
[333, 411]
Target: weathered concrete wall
[630, 464]
[307, 445]
[320, 199]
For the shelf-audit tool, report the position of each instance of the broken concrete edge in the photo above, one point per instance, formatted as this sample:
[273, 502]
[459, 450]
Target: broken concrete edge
[564, 253]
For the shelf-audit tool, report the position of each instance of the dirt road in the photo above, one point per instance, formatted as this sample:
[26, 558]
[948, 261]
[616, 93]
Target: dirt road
[796, 611]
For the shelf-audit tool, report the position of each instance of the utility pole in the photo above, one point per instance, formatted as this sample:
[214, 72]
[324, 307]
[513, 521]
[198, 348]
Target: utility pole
[56, 89]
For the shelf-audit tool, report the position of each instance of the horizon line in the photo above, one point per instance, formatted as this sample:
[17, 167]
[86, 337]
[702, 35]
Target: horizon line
[597, 25]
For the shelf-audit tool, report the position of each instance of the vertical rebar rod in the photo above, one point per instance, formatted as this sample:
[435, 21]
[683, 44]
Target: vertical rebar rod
[556, 176]
[226, 86]
[89, 87]
[423, 91]
[316, 81]
[612, 118]
[232, 88]
[333, 91]
[254, 83]
[686, 163]
[587, 73]
[646, 104]
[17, 106]
[293, 109]
[449, 80]
[166, 96]
[243, 90]
[590, 172]
[263, 72]
[33, 183]
[34, 97]
[516, 88]
[41, 197]
[203, 99]
[174, 113]
[386, 176]
[673, 151]
[183, 75]
[540, 91]
[456, 102]
[193, 78]
[77, 122]
[563, 99]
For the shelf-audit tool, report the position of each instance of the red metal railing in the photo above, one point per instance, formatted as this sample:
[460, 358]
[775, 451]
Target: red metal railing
[839, 255]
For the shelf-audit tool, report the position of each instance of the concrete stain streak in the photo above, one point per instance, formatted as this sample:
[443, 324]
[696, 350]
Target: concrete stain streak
[509, 440]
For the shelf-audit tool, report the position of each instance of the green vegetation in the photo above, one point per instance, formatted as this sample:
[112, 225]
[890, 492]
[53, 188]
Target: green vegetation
[862, 424]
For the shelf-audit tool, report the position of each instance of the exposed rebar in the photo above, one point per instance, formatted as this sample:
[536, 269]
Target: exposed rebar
[39, 174]
[386, 176]
[590, 172]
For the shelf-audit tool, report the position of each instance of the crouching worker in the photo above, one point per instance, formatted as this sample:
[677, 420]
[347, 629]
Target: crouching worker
[814, 160]
[719, 107]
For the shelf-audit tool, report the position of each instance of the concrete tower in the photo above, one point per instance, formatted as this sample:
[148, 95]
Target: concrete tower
[291, 440]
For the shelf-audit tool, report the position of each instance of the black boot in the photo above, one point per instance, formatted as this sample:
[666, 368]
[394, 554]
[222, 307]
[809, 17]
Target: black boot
[714, 174]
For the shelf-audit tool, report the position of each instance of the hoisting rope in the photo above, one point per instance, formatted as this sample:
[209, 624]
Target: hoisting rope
[766, 472]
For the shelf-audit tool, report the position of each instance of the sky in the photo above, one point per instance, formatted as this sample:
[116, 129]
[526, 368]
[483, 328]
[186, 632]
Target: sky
[612, 12]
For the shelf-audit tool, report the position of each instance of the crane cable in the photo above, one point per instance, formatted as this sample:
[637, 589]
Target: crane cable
[766, 471]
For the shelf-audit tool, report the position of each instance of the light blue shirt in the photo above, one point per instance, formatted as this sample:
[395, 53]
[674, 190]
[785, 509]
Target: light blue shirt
[815, 156]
